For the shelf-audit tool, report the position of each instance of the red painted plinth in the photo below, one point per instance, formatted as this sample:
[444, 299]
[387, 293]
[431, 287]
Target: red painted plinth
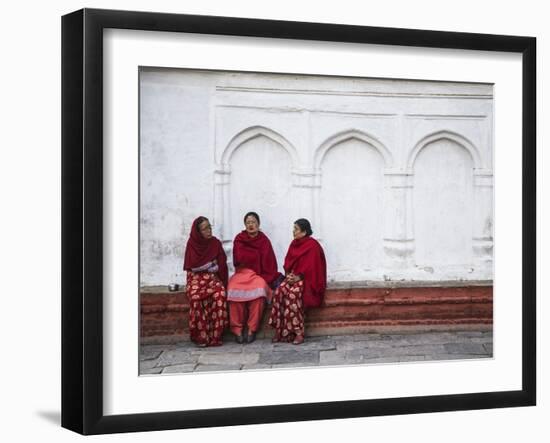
[164, 314]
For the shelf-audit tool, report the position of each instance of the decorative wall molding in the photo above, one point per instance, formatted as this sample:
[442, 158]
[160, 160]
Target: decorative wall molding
[446, 116]
[449, 135]
[351, 134]
[251, 133]
[332, 92]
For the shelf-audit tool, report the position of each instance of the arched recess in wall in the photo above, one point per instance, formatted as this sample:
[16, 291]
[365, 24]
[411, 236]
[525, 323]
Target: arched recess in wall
[443, 201]
[257, 131]
[350, 203]
[260, 161]
[448, 135]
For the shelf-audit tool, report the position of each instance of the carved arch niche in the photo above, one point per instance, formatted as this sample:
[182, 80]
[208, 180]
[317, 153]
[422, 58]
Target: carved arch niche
[256, 176]
[350, 204]
[444, 206]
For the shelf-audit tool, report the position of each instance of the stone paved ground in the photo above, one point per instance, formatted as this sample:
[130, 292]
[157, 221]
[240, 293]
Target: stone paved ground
[316, 351]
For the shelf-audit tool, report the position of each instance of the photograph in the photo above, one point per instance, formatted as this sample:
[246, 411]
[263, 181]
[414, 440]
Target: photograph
[274, 221]
[243, 221]
[297, 221]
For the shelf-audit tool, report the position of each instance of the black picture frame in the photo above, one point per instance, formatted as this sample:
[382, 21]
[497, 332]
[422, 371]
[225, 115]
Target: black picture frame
[82, 219]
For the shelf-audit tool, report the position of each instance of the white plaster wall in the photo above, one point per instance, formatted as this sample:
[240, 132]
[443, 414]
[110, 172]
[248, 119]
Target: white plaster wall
[395, 176]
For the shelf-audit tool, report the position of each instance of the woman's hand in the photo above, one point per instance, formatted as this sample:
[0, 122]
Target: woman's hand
[293, 278]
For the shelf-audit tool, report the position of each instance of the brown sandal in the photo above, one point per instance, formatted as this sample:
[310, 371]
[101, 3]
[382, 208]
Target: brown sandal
[298, 340]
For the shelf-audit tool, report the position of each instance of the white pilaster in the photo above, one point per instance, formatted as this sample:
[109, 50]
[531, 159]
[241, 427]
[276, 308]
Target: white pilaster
[306, 184]
[222, 219]
[482, 236]
[398, 231]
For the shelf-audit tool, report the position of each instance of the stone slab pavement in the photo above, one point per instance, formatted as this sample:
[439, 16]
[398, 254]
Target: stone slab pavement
[185, 357]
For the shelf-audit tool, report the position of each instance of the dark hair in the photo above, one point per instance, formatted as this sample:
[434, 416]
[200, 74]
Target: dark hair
[253, 214]
[304, 225]
[199, 221]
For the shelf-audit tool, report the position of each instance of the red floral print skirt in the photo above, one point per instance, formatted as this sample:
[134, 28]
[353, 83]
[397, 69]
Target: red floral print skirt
[207, 308]
[287, 311]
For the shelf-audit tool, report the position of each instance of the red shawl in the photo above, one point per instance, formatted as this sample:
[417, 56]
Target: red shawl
[256, 253]
[200, 251]
[305, 256]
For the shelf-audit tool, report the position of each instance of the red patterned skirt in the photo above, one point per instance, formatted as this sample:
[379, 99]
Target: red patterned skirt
[207, 308]
[287, 311]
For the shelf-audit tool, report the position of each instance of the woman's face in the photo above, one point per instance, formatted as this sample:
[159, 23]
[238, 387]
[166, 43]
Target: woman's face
[297, 232]
[252, 226]
[205, 229]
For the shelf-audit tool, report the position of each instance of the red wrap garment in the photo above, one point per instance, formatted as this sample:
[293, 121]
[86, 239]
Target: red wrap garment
[200, 251]
[305, 256]
[256, 253]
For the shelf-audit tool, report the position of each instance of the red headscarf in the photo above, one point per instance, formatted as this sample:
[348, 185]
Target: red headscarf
[305, 256]
[256, 253]
[200, 250]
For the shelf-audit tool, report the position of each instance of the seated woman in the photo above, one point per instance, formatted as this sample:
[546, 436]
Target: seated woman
[303, 287]
[206, 266]
[255, 274]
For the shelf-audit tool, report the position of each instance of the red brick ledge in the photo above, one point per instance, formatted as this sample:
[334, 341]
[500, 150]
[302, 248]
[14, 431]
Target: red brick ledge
[164, 314]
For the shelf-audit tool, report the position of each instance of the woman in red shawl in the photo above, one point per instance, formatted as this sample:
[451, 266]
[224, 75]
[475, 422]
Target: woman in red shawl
[206, 266]
[303, 287]
[255, 274]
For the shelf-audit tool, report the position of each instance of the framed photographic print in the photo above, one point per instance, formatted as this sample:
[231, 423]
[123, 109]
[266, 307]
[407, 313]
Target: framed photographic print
[319, 212]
